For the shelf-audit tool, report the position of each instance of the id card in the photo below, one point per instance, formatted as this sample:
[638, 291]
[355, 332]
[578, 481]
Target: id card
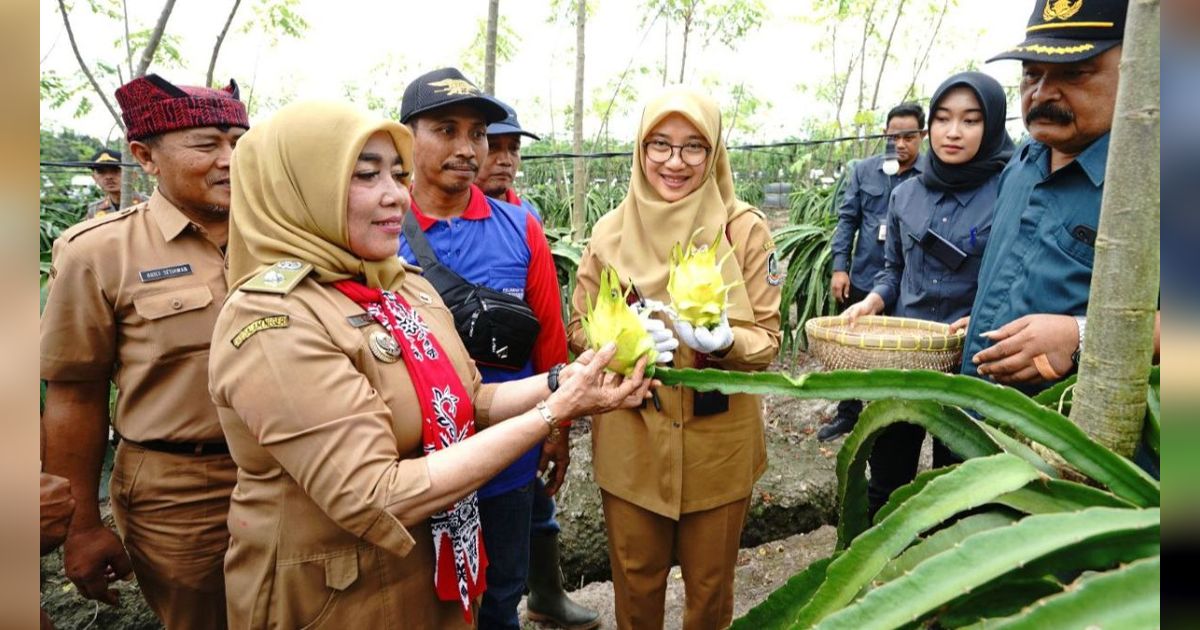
[882, 232]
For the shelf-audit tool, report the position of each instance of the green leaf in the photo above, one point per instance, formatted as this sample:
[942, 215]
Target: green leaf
[942, 540]
[982, 558]
[1046, 496]
[997, 599]
[970, 484]
[960, 434]
[905, 492]
[1020, 449]
[784, 604]
[998, 404]
[1124, 598]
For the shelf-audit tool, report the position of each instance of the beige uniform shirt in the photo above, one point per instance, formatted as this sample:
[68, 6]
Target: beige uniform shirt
[104, 206]
[327, 437]
[673, 462]
[133, 297]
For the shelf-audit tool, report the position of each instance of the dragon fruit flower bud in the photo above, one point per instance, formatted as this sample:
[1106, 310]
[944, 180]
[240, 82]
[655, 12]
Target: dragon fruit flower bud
[611, 320]
[698, 291]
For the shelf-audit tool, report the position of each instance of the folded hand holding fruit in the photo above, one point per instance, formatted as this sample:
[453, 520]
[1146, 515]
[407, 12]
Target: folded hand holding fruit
[706, 340]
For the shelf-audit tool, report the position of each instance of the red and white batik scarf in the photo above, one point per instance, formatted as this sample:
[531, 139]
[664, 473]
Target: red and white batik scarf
[447, 417]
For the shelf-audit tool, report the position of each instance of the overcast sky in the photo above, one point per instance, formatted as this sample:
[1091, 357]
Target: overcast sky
[378, 46]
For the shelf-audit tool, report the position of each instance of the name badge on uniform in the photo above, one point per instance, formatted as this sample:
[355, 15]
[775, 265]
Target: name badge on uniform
[882, 232]
[162, 273]
[360, 320]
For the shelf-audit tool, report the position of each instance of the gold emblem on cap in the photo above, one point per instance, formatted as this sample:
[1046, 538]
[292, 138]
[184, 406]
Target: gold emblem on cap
[106, 157]
[455, 87]
[384, 346]
[1061, 9]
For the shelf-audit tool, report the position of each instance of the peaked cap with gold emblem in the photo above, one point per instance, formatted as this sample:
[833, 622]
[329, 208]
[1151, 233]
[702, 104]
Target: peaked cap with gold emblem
[447, 86]
[1065, 31]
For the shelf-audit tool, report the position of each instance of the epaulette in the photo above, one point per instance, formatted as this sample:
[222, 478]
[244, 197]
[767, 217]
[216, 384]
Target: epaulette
[91, 224]
[279, 278]
[411, 268]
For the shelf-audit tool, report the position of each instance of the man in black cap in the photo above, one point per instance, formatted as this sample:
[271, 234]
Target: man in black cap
[502, 246]
[1030, 310]
[548, 602]
[106, 172]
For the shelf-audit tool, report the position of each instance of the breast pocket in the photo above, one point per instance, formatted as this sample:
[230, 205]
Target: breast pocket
[177, 318]
[1071, 240]
[508, 279]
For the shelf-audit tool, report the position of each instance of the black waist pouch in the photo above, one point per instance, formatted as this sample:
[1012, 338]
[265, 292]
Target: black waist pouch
[497, 329]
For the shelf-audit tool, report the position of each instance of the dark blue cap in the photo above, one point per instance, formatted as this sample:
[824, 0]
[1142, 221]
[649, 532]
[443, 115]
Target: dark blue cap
[446, 86]
[509, 124]
[1066, 31]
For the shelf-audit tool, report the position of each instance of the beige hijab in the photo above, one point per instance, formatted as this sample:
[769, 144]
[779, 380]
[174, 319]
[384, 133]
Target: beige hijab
[636, 237]
[291, 178]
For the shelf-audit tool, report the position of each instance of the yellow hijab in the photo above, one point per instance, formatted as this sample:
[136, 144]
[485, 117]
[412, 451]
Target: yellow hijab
[636, 238]
[291, 178]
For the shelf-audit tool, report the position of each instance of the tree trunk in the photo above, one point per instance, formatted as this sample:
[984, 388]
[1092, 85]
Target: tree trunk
[489, 54]
[1110, 398]
[579, 180]
[155, 37]
[212, 62]
[920, 65]
[687, 30]
[886, 50]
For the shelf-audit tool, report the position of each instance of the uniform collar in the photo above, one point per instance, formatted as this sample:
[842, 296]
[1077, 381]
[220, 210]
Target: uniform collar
[1093, 160]
[963, 197]
[171, 220]
[477, 210]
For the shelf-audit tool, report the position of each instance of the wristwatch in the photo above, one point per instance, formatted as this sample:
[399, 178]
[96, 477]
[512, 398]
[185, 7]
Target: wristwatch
[1081, 322]
[552, 376]
[551, 421]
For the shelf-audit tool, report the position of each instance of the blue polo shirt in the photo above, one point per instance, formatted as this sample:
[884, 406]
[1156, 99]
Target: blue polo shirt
[502, 246]
[863, 209]
[916, 284]
[1039, 257]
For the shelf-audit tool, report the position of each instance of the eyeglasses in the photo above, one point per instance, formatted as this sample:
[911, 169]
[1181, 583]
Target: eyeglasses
[661, 152]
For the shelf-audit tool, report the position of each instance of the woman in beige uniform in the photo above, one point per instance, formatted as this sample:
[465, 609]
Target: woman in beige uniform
[348, 401]
[676, 476]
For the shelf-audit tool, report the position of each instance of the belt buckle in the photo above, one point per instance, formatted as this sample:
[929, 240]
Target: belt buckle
[199, 448]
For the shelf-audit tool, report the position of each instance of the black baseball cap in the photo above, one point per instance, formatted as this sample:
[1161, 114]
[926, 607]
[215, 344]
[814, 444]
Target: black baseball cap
[508, 125]
[105, 158]
[447, 86]
[1065, 31]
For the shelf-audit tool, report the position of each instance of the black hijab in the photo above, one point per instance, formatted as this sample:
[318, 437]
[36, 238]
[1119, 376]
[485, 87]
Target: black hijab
[994, 149]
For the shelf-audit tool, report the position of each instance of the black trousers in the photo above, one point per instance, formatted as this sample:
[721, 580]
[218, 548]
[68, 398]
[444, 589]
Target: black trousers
[851, 408]
[894, 461]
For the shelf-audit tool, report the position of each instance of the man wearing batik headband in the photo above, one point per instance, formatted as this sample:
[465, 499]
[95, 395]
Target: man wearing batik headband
[132, 300]
[1027, 325]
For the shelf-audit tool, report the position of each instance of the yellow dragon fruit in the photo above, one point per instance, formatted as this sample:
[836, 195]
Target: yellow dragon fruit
[698, 292]
[611, 320]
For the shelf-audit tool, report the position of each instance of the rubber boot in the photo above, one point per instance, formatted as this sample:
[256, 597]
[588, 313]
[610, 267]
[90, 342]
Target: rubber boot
[548, 602]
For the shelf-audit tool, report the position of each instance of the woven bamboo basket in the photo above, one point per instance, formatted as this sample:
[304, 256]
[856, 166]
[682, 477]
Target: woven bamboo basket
[883, 342]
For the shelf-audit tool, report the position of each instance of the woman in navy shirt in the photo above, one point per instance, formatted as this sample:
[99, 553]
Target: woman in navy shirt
[937, 229]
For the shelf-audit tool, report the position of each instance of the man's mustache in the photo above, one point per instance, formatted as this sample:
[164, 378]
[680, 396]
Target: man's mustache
[459, 166]
[1050, 112]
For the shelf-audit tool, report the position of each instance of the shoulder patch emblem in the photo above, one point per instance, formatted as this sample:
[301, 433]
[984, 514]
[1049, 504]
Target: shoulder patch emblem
[279, 278]
[259, 325]
[774, 275]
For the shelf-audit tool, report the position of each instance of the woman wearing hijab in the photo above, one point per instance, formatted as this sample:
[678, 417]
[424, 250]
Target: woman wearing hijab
[676, 475]
[347, 399]
[938, 226]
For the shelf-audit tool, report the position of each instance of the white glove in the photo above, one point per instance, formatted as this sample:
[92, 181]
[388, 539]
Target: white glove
[664, 342]
[704, 340]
